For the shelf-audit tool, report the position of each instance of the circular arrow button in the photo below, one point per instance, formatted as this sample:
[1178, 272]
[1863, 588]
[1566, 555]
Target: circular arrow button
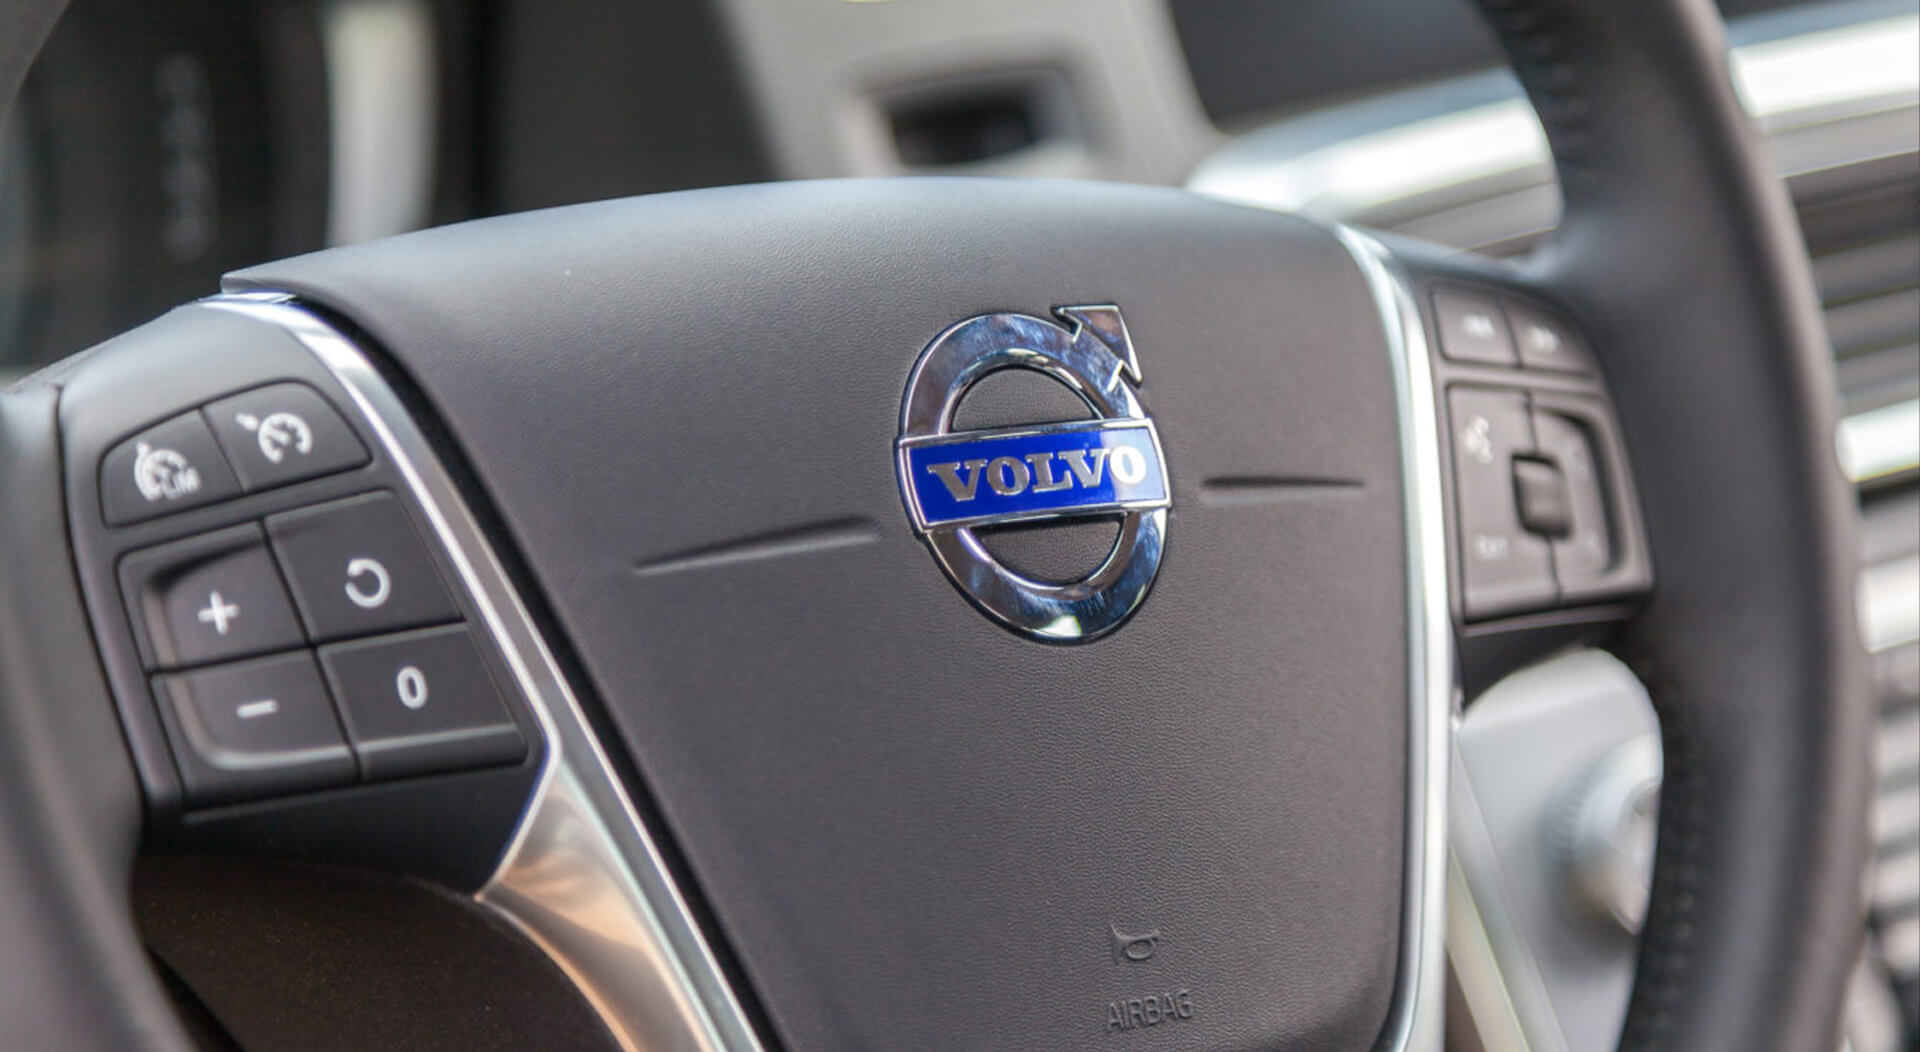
[358, 566]
[368, 583]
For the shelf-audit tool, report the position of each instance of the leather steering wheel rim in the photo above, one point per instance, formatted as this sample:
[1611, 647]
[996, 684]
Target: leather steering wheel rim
[1681, 252]
[1681, 257]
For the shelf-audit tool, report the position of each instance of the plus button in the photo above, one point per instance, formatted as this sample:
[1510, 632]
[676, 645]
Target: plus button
[218, 612]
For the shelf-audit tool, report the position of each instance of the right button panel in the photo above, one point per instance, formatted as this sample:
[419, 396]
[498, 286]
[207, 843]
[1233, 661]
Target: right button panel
[1543, 512]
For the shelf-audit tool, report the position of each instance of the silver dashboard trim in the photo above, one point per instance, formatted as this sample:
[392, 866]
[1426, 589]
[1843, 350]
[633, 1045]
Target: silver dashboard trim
[1418, 1018]
[383, 105]
[1345, 161]
[1489, 1004]
[1888, 598]
[1880, 443]
[582, 877]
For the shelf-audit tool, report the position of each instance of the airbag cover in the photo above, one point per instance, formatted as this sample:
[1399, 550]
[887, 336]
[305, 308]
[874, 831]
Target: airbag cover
[914, 827]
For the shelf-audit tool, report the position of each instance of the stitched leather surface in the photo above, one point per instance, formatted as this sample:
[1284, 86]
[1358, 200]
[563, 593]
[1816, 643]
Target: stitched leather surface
[1682, 253]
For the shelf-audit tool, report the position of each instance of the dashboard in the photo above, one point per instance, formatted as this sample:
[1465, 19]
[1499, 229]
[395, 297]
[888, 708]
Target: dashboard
[158, 146]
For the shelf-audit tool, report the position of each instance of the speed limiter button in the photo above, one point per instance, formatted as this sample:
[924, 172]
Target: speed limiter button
[283, 433]
[171, 466]
[417, 702]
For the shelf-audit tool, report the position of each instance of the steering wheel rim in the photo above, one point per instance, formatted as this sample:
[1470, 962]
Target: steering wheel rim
[1680, 257]
[1672, 210]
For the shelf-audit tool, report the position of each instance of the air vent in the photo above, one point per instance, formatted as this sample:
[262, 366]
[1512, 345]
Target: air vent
[1866, 249]
[950, 132]
[1002, 122]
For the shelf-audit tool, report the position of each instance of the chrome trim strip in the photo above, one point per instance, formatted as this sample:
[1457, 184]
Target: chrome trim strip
[582, 878]
[1476, 966]
[1417, 1022]
[382, 105]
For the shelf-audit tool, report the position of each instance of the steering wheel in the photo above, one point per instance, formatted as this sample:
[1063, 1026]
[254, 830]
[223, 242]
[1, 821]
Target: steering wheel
[957, 613]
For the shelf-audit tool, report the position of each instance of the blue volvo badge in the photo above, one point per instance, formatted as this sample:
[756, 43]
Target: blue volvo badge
[956, 481]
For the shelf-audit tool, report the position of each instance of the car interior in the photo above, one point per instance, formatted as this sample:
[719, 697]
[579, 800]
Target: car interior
[740, 525]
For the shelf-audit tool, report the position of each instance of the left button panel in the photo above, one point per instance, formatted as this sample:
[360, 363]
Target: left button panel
[208, 598]
[169, 467]
[199, 616]
[254, 728]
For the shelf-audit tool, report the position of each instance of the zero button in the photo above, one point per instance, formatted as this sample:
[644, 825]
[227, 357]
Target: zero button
[420, 701]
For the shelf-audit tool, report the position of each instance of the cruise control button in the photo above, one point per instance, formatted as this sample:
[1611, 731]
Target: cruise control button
[1504, 567]
[1545, 342]
[357, 566]
[1586, 552]
[1473, 329]
[421, 701]
[283, 433]
[255, 728]
[166, 468]
[206, 598]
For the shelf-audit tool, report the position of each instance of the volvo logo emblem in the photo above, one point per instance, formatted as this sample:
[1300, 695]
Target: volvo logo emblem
[957, 482]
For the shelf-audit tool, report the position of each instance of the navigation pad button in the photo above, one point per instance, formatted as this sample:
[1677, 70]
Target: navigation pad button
[1585, 553]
